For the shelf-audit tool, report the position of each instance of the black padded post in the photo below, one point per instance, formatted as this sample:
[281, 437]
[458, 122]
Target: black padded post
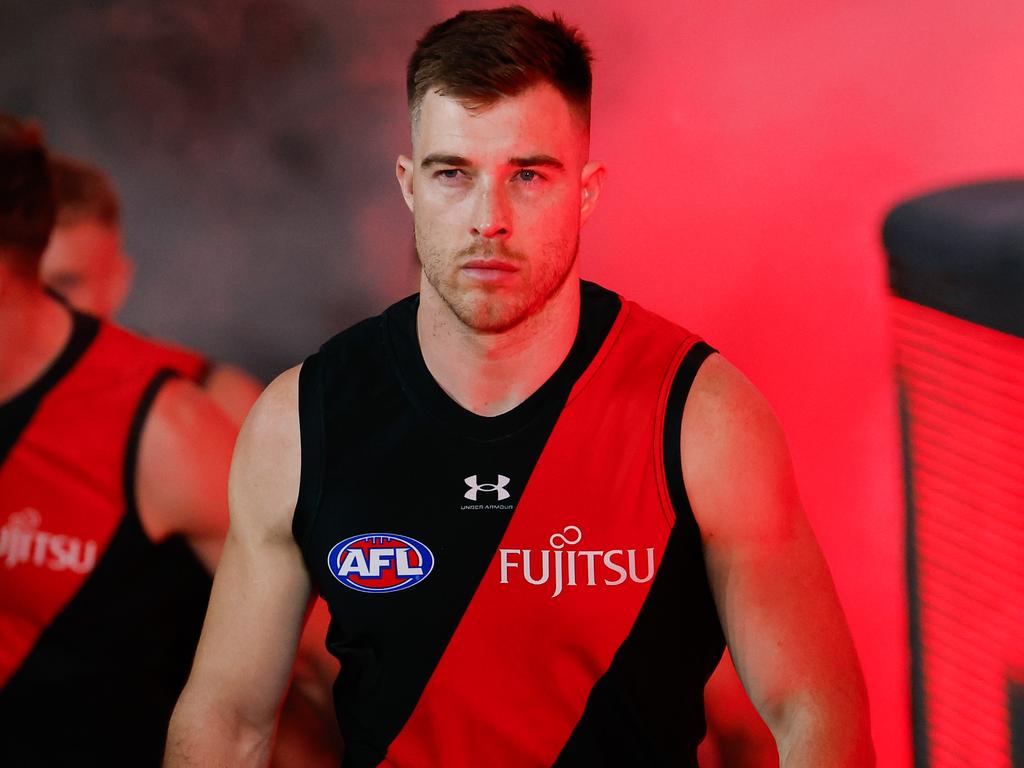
[961, 251]
[956, 266]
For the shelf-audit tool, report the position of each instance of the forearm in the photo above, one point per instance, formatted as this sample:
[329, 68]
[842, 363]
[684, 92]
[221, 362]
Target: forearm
[816, 733]
[307, 732]
[209, 735]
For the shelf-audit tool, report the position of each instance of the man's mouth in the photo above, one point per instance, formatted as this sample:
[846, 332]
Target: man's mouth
[489, 265]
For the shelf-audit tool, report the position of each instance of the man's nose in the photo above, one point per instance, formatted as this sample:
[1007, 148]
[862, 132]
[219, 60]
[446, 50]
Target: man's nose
[493, 215]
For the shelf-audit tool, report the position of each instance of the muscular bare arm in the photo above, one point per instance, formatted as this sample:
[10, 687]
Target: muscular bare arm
[782, 620]
[226, 713]
[181, 477]
[736, 737]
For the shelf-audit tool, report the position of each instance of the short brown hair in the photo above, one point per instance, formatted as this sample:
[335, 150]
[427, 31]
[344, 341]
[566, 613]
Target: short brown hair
[27, 201]
[84, 193]
[478, 57]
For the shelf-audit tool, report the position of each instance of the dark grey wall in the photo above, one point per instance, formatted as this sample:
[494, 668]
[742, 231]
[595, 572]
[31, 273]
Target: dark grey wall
[253, 143]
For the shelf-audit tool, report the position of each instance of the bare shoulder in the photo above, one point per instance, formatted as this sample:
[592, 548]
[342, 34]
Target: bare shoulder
[182, 468]
[722, 398]
[233, 390]
[265, 470]
[182, 410]
[734, 453]
[276, 407]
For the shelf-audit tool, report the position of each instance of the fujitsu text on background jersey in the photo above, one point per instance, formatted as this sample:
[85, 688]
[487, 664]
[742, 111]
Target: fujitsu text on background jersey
[98, 624]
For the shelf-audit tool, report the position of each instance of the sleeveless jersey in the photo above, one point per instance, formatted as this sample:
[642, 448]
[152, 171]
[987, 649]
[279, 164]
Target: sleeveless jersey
[97, 623]
[185, 362]
[526, 589]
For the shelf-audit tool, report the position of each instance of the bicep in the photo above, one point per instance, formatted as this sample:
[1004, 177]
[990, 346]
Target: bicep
[773, 589]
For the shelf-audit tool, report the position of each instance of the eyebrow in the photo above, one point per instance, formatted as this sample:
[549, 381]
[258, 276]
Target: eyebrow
[545, 160]
[459, 161]
[441, 159]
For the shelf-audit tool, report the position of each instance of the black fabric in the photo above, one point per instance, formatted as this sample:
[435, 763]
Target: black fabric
[1016, 708]
[17, 413]
[961, 251]
[385, 450]
[105, 674]
[205, 370]
[311, 437]
[131, 454]
[654, 686]
[598, 309]
[671, 449]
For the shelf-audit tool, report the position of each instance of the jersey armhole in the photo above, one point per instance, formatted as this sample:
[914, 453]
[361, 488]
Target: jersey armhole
[682, 382]
[131, 456]
[203, 373]
[311, 448]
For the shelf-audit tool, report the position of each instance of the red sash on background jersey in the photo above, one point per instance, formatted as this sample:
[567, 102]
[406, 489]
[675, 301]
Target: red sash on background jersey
[62, 486]
[186, 362]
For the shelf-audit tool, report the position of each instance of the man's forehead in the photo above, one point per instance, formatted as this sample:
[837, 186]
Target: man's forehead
[538, 118]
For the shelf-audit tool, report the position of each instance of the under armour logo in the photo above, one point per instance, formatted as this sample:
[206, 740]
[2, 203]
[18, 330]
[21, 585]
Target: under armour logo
[499, 486]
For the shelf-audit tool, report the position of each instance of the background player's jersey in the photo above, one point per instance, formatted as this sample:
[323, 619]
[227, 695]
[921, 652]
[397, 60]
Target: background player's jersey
[97, 623]
[185, 362]
[526, 589]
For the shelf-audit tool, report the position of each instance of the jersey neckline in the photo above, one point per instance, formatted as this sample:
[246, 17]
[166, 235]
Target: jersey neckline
[599, 309]
[17, 412]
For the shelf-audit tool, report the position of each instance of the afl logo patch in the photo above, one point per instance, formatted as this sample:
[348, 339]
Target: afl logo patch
[380, 562]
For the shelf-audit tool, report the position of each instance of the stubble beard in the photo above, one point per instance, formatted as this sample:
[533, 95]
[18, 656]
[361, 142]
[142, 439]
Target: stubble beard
[496, 311]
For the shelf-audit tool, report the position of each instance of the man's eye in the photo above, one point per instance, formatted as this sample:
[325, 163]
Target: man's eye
[449, 174]
[528, 175]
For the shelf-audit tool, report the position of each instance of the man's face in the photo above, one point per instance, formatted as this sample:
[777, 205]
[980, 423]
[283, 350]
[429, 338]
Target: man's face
[85, 265]
[498, 195]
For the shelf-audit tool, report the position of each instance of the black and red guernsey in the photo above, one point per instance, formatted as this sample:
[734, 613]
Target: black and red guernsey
[526, 589]
[98, 624]
[187, 363]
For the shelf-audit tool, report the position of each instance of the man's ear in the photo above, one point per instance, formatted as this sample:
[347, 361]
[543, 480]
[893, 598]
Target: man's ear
[591, 180]
[404, 174]
[124, 276]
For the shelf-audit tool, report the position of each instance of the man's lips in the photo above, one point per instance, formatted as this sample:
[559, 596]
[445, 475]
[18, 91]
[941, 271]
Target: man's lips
[490, 264]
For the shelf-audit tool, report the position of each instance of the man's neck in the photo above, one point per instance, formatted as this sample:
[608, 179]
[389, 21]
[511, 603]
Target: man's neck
[34, 328]
[491, 373]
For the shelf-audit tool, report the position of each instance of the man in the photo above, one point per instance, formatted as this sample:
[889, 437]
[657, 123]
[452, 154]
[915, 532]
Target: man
[536, 510]
[113, 474]
[111, 493]
[85, 263]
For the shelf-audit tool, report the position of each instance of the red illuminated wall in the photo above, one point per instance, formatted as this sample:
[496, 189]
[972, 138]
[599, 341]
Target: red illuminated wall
[753, 149]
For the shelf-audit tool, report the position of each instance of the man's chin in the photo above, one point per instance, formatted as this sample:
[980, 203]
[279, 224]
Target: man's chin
[490, 318]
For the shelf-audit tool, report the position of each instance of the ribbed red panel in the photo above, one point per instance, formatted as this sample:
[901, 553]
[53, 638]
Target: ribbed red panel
[964, 388]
